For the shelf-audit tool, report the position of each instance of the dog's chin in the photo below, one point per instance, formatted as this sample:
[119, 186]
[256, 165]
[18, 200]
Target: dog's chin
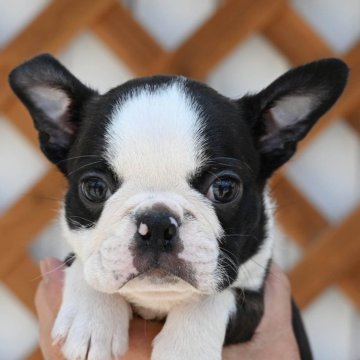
[158, 276]
[157, 286]
[159, 279]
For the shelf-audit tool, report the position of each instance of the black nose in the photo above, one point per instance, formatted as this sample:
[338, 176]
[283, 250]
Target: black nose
[158, 229]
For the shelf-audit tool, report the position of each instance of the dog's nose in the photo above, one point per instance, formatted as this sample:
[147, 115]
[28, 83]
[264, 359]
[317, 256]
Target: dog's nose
[158, 229]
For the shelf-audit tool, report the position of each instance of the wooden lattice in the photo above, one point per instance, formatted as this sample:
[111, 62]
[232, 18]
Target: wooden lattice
[332, 252]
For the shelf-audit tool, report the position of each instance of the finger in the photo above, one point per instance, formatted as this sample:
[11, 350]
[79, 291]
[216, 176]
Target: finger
[141, 335]
[274, 338]
[277, 299]
[46, 318]
[53, 278]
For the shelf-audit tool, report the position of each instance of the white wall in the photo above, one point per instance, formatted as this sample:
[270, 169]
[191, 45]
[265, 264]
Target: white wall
[328, 171]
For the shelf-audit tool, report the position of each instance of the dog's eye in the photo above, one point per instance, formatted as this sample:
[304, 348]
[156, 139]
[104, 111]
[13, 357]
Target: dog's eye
[95, 189]
[224, 189]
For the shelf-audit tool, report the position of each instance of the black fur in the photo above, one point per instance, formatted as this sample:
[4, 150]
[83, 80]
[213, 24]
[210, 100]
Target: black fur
[46, 72]
[249, 311]
[323, 80]
[69, 260]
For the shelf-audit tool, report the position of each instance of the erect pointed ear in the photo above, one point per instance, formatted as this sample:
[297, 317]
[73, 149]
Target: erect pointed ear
[55, 99]
[284, 112]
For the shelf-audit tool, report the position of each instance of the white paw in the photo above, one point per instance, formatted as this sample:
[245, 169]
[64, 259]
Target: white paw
[180, 347]
[94, 329]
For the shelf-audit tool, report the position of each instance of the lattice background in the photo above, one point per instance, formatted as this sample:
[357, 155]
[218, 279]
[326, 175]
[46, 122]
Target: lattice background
[217, 45]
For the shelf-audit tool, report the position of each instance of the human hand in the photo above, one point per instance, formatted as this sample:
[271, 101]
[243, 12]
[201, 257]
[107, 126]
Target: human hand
[48, 300]
[274, 337]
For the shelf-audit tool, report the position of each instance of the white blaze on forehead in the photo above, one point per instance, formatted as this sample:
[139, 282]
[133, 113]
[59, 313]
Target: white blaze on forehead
[154, 136]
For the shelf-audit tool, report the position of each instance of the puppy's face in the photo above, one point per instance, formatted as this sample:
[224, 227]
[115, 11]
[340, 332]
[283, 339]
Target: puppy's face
[164, 177]
[167, 177]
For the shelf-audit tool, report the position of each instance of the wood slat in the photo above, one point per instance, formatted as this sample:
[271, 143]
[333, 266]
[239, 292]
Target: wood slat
[36, 355]
[52, 29]
[19, 116]
[297, 223]
[305, 224]
[350, 284]
[327, 260]
[298, 31]
[128, 40]
[230, 25]
[346, 105]
[289, 30]
[297, 216]
[23, 280]
[24, 220]
[313, 47]
[354, 120]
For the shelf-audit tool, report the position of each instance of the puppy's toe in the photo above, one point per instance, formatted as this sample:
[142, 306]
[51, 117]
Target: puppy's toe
[100, 349]
[62, 325]
[78, 340]
[108, 344]
[120, 343]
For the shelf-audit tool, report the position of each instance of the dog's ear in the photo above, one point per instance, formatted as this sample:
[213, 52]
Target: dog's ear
[54, 98]
[282, 114]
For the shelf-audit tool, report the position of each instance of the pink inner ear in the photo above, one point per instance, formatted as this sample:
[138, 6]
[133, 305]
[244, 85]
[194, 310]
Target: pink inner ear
[291, 109]
[286, 113]
[53, 103]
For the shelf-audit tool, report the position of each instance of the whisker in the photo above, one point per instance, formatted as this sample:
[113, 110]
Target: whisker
[77, 223]
[213, 174]
[81, 167]
[231, 261]
[247, 273]
[62, 266]
[239, 235]
[76, 157]
[260, 265]
[223, 273]
[80, 217]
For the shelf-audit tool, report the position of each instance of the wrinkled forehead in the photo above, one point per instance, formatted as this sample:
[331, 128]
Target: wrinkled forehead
[155, 135]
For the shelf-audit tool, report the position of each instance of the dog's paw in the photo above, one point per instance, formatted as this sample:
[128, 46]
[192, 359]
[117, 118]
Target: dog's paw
[179, 346]
[95, 329]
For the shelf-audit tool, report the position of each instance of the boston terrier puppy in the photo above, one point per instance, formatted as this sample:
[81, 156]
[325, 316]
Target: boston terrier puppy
[167, 208]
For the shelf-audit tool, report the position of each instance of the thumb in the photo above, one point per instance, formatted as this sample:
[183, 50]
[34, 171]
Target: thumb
[52, 271]
[277, 301]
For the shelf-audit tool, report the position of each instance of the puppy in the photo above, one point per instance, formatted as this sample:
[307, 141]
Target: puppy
[167, 209]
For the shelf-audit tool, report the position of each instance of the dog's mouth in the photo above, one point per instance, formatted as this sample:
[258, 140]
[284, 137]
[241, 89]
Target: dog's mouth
[163, 275]
[163, 268]
[160, 275]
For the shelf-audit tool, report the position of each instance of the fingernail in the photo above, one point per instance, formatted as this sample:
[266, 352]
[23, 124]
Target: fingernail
[44, 269]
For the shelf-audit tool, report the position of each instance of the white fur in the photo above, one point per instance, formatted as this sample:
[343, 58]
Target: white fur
[154, 298]
[90, 320]
[195, 330]
[252, 273]
[155, 137]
